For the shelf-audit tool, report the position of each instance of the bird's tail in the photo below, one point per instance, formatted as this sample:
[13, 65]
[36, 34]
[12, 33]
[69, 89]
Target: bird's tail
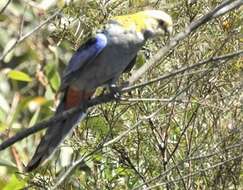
[56, 134]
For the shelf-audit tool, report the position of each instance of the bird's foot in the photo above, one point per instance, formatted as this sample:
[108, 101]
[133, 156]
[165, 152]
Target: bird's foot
[125, 84]
[115, 90]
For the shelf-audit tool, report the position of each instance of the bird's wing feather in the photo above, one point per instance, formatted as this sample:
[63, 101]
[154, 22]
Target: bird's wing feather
[130, 65]
[84, 55]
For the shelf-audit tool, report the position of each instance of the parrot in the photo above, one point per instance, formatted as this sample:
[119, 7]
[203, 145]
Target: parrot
[99, 61]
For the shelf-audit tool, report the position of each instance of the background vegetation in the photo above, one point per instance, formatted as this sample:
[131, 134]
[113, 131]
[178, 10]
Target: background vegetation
[180, 132]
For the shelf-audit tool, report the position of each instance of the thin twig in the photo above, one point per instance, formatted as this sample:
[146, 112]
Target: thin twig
[5, 6]
[62, 177]
[184, 69]
[20, 39]
[187, 160]
[195, 173]
[109, 97]
[48, 123]
[103, 99]
[223, 8]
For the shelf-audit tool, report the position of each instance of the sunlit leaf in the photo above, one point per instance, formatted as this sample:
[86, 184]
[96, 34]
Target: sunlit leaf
[14, 183]
[19, 75]
[55, 81]
[49, 94]
[4, 105]
[34, 118]
[140, 60]
[8, 48]
[3, 126]
[53, 76]
[49, 68]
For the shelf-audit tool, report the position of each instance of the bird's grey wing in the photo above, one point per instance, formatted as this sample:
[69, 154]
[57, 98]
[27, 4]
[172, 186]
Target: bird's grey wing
[83, 56]
[130, 65]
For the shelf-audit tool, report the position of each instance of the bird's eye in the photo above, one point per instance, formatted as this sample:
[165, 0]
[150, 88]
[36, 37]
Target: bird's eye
[161, 23]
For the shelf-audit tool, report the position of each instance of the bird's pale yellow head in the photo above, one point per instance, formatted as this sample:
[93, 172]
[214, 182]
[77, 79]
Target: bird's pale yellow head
[149, 22]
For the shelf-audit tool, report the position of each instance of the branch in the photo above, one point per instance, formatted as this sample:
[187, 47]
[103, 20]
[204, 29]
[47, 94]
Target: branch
[59, 117]
[20, 38]
[109, 97]
[223, 8]
[226, 6]
[195, 173]
[5, 6]
[183, 69]
[104, 99]
[63, 176]
[203, 157]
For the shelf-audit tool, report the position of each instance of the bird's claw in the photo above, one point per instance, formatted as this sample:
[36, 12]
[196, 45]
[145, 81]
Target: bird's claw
[115, 91]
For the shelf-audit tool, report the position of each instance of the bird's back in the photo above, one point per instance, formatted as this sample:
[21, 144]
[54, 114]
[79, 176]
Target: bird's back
[122, 47]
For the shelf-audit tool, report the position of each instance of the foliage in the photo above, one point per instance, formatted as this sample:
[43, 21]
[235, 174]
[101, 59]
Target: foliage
[183, 132]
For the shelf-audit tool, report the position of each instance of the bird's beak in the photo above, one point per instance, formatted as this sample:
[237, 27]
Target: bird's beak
[169, 30]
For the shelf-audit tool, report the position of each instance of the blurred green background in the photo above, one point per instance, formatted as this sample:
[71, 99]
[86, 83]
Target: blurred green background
[178, 148]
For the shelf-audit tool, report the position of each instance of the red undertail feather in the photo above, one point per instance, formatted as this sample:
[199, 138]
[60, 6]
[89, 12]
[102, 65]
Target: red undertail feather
[60, 129]
[74, 97]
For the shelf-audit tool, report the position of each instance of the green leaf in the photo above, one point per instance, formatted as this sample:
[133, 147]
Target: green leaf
[55, 81]
[49, 68]
[34, 118]
[98, 125]
[53, 76]
[14, 184]
[138, 3]
[19, 75]
[49, 94]
[8, 47]
[3, 17]
[3, 126]
[4, 105]
[140, 61]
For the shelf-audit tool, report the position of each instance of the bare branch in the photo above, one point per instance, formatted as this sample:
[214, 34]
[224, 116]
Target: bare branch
[104, 99]
[187, 160]
[5, 6]
[48, 123]
[183, 69]
[109, 97]
[196, 173]
[226, 6]
[20, 38]
[63, 176]
[223, 8]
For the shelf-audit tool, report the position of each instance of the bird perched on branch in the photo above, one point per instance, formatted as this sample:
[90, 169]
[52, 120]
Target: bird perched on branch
[101, 60]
